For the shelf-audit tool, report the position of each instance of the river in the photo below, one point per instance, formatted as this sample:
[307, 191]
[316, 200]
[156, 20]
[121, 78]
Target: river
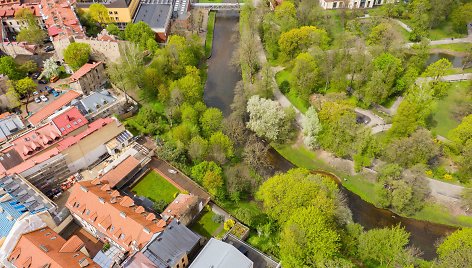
[222, 78]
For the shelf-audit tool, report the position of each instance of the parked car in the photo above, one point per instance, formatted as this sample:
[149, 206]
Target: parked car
[48, 48]
[35, 93]
[43, 98]
[35, 75]
[49, 89]
[55, 93]
[54, 79]
[42, 81]
[37, 100]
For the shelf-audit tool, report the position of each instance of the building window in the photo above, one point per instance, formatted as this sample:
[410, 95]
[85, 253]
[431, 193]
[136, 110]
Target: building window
[109, 12]
[335, 4]
[116, 12]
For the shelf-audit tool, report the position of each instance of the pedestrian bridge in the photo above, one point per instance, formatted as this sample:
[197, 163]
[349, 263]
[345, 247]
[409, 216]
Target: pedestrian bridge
[218, 6]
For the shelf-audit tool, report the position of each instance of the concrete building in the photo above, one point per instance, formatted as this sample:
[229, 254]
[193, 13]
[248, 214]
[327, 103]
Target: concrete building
[89, 147]
[46, 248]
[111, 217]
[120, 12]
[19, 198]
[89, 78]
[101, 104]
[175, 247]
[218, 254]
[12, 25]
[157, 15]
[10, 125]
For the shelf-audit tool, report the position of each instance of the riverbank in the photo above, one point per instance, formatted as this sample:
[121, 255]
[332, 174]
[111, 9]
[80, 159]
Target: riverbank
[364, 187]
[209, 33]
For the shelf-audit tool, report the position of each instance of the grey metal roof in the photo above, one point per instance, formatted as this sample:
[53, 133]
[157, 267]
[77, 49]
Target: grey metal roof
[170, 245]
[156, 15]
[10, 159]
[10, 125]
[218, 254]
[94, 101]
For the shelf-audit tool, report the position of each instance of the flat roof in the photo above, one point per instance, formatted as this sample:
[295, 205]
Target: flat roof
[156, 15]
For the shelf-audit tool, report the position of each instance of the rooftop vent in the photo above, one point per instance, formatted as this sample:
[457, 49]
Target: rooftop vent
[44, 248]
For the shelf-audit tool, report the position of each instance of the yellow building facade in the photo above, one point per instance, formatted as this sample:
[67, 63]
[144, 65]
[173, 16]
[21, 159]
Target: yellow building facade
[121, 12]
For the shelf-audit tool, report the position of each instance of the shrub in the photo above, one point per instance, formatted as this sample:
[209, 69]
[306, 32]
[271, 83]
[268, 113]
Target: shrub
[229, 224]
[218, 218]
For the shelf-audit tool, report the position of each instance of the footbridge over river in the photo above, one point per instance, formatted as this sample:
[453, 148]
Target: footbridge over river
[218, 6]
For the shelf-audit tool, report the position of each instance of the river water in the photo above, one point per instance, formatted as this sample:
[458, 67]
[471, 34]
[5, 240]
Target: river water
[222, 78]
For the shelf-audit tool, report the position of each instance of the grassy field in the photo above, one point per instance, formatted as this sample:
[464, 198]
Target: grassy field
[460, 47]
[155, 187]
[440, 215]
[210, 28]
[205, 225]
[286, 75]
[443, 117]
[444, 31]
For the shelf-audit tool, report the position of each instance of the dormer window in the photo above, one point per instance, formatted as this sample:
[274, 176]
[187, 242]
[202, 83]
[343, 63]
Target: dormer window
[122, 236]
[112, 228]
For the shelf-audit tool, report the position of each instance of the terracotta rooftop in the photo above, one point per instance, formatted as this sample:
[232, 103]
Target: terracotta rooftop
[52, 107]
[36, 140]
[179, 206]
[45, 248]
[114, 176]
[83, 71]
[33, 161]
[92, 127]
[114, 215]
[9, 11]
[60, 19]
[69, 120]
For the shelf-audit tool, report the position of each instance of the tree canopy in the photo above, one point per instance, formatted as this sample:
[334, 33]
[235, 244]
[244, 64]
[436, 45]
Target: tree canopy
[77, 54]
[456, 250]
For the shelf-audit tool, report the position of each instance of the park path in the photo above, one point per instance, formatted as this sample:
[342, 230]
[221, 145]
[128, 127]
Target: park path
[403, 25]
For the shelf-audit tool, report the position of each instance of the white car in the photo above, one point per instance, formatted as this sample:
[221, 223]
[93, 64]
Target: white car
[43, 98]
[35, 93]
[172, 171]
[37, 100]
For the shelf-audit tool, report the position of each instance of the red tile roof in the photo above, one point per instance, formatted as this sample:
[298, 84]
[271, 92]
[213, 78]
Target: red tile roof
[83, 71]
[69, 121]
[113, 215]
[92, 127]
[33, 161]
[61, 20]
[36, 140]
[9, 11]
[123, 169]
[44, 246]
[181, 205]
[52, 107]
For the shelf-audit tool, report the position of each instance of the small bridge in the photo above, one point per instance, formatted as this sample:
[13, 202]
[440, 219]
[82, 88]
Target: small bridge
[218, 6]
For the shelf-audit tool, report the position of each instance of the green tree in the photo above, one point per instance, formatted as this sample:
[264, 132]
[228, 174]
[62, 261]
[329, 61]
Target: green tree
[213, 182]
[220, 147]
[99, 13]
[198, 148]
[300, 39]
[286, 16]
[30, 32]
[189, 51]
[465, 164]
[462, 134]
[9, 68]
[284, 193]
[199, 171]
[339, 128]
[22, 88]
[190, 85]
[159, 205]
[77, 54]
[460, 17]
[419, 148]
[385, 246]
[456, 250]
[385, 36]
[115, 30]
[211, 121]
[28, 67]
[308, 239]
[435, 71]
[420, 20]
[305, 75]
[141, 34]
[50, 68]
[381, 86]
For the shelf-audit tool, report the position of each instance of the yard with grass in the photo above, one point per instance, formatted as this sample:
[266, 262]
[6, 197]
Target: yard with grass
[286, 75]
[205, 225]
[155, 187]
[444, 116]
[459, 47]
[210, 31]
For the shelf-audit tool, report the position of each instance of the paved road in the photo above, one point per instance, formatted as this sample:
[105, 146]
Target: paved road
[448, 78]
[179, 179]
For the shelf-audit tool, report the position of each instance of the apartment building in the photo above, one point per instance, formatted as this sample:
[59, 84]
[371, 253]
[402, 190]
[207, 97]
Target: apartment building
[120, 12]
[89, 78]
[11, 24]
[334, 4]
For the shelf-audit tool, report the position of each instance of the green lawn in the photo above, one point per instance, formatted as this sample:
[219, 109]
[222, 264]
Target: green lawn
[205, 225]
[210, 30]
[444, 31]
[155, 187]
[460, 47]
[286, 75]
[443, 117]
[440, 215]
